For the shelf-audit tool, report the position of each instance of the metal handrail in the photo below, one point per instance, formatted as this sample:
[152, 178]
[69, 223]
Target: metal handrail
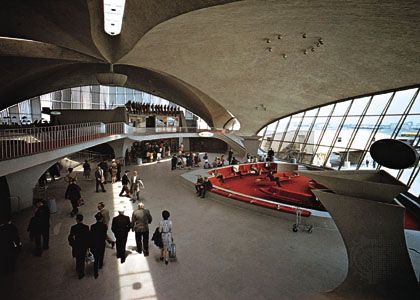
[156, 130]
[28, 141]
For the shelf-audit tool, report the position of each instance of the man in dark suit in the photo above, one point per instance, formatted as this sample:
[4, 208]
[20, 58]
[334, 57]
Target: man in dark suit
[97, 243]
[79, 241]
[230, 155]
[99, 177]
[120, 227]
[125, 181]
[10, 246]
[41, 227]
[174, 161]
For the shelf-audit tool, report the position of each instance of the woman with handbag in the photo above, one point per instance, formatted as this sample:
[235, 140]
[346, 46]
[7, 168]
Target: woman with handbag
[165, 228]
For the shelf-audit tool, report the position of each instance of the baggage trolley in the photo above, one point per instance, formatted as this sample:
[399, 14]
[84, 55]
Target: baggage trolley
[299, 225]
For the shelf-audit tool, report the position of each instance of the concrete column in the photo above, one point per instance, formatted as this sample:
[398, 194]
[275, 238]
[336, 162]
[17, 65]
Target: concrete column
[21, 185]
[119, 146]
[252, 143]
[186, 144]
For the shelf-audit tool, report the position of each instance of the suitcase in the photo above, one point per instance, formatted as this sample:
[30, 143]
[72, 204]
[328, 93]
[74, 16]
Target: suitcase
[172, 250]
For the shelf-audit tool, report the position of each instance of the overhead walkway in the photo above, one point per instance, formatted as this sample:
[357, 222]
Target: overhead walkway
[27, 147]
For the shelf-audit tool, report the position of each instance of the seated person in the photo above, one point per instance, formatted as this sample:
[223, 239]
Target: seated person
[215, 162]
[254, 170]
[207, 186]
[235, 169]
[207, 164]
[219, 163]
[197, 160]
[199, 184]
[219, 176]
[273, 178]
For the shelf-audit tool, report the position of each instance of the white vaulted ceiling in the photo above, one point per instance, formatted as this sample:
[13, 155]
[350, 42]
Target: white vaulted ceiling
[212, 56]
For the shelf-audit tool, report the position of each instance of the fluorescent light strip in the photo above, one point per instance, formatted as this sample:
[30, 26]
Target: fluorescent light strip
[113, 16]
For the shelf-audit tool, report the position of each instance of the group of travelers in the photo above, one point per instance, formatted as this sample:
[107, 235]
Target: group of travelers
[87, 243]
[185, 160]
[91, 241]
[24, 123]
[135, 184]
[148, 108]
[202, 186]
[147, 151]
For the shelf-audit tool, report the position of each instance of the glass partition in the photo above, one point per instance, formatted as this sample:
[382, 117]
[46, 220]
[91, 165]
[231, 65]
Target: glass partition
[339, 135]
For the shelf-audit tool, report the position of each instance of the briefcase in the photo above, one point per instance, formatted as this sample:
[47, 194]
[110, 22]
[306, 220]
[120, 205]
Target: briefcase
[172, 250]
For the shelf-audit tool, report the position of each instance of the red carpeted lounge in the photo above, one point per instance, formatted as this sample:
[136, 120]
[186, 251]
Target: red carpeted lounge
[287, 193]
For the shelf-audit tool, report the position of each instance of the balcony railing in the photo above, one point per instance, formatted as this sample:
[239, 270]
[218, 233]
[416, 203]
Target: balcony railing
[28, 141]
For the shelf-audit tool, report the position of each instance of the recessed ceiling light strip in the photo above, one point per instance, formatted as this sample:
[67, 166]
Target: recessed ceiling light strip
[113, 16]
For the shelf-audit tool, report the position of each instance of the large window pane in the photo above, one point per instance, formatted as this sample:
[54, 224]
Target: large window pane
[358, 106]
[281, 128]
[270, 130]
[400, 101]
[325, 110]
[378, 103]
[294, 124]
[317, 130]
[320, 156]
[387, 127]
[304, 129]
[312, 112]
[364, 132]
[341, 108]
[409, 129]
[331, 130]
[415, 109]
[265, 145]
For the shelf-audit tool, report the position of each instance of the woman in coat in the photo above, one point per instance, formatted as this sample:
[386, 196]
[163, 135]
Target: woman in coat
[165, 228]
[73, 194]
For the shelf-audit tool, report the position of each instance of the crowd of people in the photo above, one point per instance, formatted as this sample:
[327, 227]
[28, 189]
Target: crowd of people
[150, 108]
[14, 123]
[147, 151]
[90, 243]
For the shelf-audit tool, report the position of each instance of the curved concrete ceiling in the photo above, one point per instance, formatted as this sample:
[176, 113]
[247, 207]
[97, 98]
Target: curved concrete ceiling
[213, 58]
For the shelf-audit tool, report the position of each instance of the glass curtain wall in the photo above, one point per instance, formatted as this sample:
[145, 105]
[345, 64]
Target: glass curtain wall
[339, 135]
[85, 97]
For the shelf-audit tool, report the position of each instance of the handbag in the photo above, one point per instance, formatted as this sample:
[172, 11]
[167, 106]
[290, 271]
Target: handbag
[157, 238]
[172, 249]
[89, 257]
[80, 202]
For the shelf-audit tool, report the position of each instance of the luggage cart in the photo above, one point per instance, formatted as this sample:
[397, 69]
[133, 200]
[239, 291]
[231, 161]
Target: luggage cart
[299, 225]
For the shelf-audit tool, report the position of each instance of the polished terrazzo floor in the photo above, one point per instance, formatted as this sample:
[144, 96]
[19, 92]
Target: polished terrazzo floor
[224, 251]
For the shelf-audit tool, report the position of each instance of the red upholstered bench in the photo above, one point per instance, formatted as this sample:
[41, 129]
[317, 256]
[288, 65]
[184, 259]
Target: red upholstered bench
[227, 172]
[264, 182]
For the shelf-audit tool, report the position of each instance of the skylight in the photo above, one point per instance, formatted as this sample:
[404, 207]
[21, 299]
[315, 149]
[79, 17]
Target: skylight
[113, 16]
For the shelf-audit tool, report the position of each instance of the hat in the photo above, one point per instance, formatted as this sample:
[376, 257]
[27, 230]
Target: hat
[121, 209]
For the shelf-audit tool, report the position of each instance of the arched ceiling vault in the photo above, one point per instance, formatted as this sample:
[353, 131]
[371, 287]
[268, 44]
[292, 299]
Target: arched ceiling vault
[211, 56]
